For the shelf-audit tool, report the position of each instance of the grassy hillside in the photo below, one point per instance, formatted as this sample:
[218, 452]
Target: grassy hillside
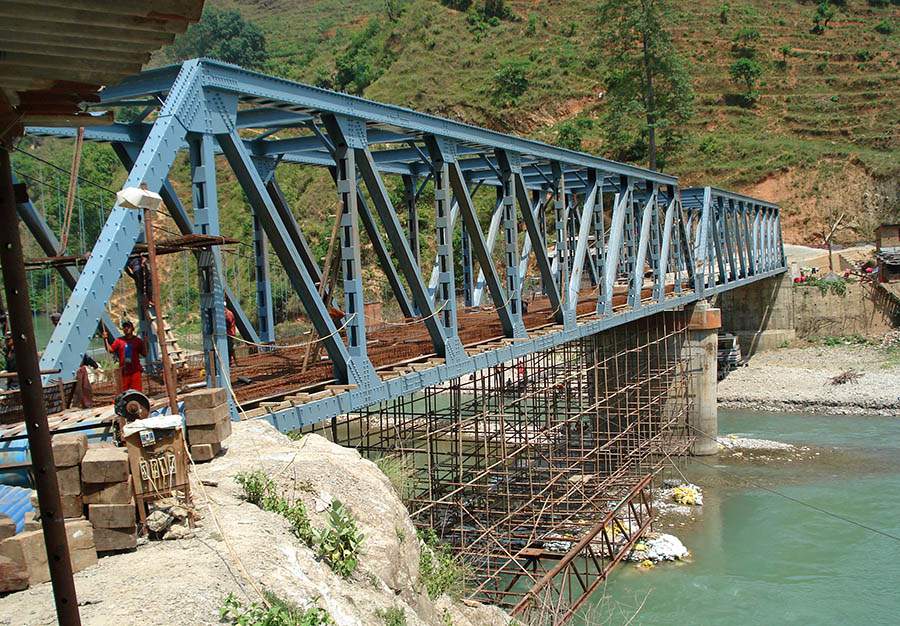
[822, 139]
[824, 131]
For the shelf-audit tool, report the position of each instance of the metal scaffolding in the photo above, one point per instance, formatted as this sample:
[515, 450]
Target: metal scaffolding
[538, 471]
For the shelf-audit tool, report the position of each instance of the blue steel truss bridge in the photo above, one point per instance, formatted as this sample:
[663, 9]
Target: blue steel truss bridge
[537, 375]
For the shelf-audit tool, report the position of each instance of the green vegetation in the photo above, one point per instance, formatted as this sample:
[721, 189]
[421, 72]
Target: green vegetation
[744, 43]
[843, 340]
[394, 616]
[884, 27]
[439, 570]
[223, 35]
[822, 118]
[273, 612]
[510, 83]
[262, 491]
[339, 543]
[747, 73]
[833, 284]
[824, 14]
[649, 96]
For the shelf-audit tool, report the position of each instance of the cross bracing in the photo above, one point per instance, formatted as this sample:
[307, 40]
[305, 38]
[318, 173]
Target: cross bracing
[609, 242]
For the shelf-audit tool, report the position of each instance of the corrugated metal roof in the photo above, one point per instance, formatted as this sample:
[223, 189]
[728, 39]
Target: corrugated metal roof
[15, 502]
[56, 54]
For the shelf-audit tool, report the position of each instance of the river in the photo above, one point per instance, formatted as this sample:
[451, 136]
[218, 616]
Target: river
[760, 558]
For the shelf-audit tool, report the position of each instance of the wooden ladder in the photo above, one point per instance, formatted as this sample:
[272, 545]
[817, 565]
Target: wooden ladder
[176, 352]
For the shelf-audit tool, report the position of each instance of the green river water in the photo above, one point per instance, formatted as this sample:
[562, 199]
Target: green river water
[758, 558]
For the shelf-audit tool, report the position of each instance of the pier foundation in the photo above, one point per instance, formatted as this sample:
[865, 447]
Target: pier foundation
[700, 348]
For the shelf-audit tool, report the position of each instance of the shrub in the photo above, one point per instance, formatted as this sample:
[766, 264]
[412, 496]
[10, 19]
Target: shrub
[439, 571]
[723, 13]
[496, 8]
[569, 135]
[278, 613]
[256, 485]
[531, 28]
[784, 51]
[884, 27]
[399, 471]
[862, 56]
[459, 5]
[339, 543]
[743, 45]
[261, 490]
[510, 82]
[394, 616]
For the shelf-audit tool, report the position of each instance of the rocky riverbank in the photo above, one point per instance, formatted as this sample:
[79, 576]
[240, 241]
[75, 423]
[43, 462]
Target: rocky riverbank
[238, 552]
[798, 380]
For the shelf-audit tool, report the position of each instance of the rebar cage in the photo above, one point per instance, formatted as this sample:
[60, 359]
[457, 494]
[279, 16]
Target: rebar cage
[537, 471]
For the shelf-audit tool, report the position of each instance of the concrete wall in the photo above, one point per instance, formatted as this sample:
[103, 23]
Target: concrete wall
[761, 314]
[860, 311]
[770, 312]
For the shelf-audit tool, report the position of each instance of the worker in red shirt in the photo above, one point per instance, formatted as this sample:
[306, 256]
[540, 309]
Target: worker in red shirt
[231, 331]
[129, 348]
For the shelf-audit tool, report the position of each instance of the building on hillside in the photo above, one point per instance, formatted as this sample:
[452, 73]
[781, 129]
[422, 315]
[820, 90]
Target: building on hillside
[887, 252]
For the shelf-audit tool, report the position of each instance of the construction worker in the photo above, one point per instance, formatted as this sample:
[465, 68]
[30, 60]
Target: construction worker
[129, 348]
[231, 332]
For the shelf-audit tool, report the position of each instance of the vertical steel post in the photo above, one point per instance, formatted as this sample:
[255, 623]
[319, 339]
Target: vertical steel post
[351, 264]
[511, 239]
[467, 278]
[562, 218]
[445, 291]
[31, 392]
[209, 262]
[264, 310]
[412, 215]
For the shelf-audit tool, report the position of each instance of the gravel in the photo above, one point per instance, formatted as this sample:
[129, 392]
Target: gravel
[797, 380]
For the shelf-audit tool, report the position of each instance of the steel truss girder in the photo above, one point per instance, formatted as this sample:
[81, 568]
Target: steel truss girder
[127, 154]
[309, 413]
[83, 311]
[408, 262]
[656, 225]
[284, 247]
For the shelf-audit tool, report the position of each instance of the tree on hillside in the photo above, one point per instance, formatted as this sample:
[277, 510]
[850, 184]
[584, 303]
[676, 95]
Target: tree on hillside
[824, 14]
[747, 72]
[648, 90]
[224, 35]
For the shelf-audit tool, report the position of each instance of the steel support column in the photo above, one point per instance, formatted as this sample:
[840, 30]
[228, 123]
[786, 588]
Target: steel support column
[209, 261]
[265, 316]
[444, 297]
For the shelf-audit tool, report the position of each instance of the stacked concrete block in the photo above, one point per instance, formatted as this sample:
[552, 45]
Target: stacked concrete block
[7, 527]
[106, 476]
[208, 422]
[23, 558]
[68, 451]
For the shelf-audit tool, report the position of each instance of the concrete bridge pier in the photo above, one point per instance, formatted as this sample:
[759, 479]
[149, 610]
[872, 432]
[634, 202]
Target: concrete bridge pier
[700, 348]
